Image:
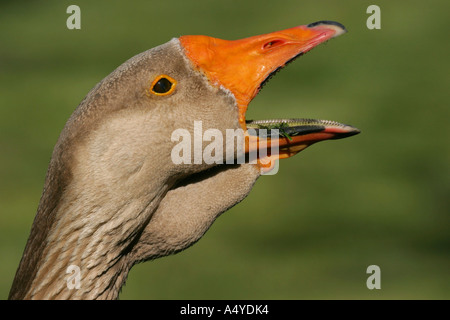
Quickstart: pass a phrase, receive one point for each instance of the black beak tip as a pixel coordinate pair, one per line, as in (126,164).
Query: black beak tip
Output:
(327,22)
(354,131)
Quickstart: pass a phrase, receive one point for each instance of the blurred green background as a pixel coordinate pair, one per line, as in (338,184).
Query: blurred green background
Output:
(308,232)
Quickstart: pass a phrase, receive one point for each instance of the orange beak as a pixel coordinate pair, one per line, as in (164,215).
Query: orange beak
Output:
(243,66)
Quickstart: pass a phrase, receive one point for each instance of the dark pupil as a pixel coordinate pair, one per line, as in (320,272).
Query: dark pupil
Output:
(162,86)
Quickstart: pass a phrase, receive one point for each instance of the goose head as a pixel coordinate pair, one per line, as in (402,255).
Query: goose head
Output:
(114,196)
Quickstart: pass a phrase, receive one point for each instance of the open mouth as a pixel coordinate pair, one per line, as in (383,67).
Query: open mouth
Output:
(293,135)
(244,66)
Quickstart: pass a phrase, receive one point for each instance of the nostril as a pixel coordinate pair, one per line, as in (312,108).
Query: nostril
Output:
(272,43)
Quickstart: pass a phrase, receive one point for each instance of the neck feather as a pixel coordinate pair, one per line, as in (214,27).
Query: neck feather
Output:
(92,232)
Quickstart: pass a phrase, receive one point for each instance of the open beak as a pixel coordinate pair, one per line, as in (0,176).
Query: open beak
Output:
(244,66)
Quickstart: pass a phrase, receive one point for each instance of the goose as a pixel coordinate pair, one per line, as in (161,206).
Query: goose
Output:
(113,196)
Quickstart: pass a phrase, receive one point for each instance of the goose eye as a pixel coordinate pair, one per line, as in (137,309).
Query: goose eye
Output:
(163,85)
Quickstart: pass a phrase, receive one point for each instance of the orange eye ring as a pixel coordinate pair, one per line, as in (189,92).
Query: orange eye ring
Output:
(163,85)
